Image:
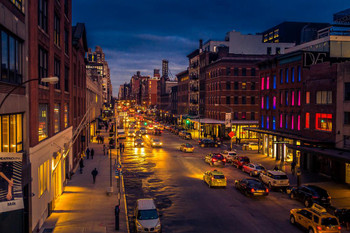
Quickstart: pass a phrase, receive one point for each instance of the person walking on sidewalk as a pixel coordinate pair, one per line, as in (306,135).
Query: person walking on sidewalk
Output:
(87,152)
(292,166)
(94,173)
(120,148)
(123,146)
(104,149)
(81,165)
(92,153)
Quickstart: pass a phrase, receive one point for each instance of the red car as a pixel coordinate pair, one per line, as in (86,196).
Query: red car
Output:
(239,161)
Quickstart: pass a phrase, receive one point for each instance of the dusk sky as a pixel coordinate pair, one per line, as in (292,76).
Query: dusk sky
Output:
(138,34)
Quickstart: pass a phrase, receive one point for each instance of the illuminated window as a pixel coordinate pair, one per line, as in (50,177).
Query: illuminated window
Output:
(281,121)
(307,97)
(287,75)
(299,98)
(286,97)
(43,121)
(281,76)
(293,78)
(262,102)
(262,121)
(262,83)
(292,121)
(66,115)
(11,127)
(274,81)
(267,122)
(286,117)
(293,96)
(299,74)
(244,85)
(267,103)
(323,122)
(298,122)
(274,102)
(273,123)
(56,118)
(267,82)
(324,97)
(56,31)
(43,174)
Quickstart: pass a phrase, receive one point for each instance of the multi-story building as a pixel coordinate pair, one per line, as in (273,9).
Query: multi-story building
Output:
(50,53)
(15,115)
(138,87)
(174,100)
(183,93)
(193,72)
(150,96)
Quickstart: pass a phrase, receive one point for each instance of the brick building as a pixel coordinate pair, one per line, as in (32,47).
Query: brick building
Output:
(183,93)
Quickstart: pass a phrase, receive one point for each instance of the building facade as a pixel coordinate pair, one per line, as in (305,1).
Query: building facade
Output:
(183,93)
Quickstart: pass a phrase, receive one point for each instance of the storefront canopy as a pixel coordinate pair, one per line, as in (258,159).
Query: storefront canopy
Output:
(208,121)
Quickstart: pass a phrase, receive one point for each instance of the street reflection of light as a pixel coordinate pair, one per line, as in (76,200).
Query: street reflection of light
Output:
(198,176)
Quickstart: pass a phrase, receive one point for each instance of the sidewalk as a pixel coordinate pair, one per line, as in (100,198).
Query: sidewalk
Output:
(86,207)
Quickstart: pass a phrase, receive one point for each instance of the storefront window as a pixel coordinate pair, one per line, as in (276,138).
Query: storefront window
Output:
(11,133)
(323,122)
(66,119)
(43,121)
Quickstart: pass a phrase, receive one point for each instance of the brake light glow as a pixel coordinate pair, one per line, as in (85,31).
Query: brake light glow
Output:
(212,178)
(252,190)
(214,160)
(339,228)
(267,190)
(319,228)
(314,197)
(224,160)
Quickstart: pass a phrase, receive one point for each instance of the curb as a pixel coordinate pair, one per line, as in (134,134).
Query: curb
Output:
(125,205)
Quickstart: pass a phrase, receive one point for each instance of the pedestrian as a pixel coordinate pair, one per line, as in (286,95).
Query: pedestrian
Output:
(123,146)
(92,153)
(87,152)
(102,139)
(81,165)
(94,173)
(104,149)
(292,165)
(120,148)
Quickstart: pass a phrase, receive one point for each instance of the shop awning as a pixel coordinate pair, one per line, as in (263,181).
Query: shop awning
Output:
(332,153)
(208,121)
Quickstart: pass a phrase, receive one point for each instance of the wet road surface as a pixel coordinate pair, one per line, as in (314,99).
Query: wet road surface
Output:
(174,180)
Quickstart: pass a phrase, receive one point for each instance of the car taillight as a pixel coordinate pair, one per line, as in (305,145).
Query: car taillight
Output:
(319,228)
(314,197)
(252,190)
(267,190)
(329,197)
(212,178)
(339,228)
(224,160)
(214,160)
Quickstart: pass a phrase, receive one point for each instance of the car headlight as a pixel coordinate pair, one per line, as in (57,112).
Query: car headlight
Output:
(142,143)
(161,143)
(153,143)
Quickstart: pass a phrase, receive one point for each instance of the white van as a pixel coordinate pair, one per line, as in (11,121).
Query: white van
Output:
(121,134)
(146,216)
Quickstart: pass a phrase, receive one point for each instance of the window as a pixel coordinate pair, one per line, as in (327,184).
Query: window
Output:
(287,75)
(66,41)
(267,83)
(244,72)
(253,72)
(324,97)
(57,67)
(274,81)
(56,118)
(293,96)
(299,98)
(262,102)
(228,85)
(43,174)
(66,78)
(323,122)
(11,129)
(273,123)
(307,120)
(268,50)
(281,76)
(347,91)
(286,117)
(236,85)
(56,31)
(307,97)
(252,87)
(252,100)
(292,121)
(43,66)
(244,100)
(227,99)
(42,16)
(267,122)
(235,72)
(286,97)
(274,102)
(262,121)
(66,7)
(66,116)
(11,59)
(244,85)
(281,98)
(252,115)
(299,74)
(278,50)
(281,120)
(244,115)
(43,121)
(267,103)
(235,115)
(227,71)
(235,99)
(292,74)
(299,122)
(262,83)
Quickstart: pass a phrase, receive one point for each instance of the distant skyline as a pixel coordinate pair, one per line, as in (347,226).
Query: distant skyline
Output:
(136,35)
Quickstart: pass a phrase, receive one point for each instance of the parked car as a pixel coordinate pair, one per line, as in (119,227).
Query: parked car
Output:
(310,194)
(239,161)
(207,143)
(253,146)
(138,142)
(182,133)
(215,178)
(315,220)
(275,179)
(138,134)
(252,187)
(155,142)
(186,147)
(229,155)
(146,216)
(131,133)
(253,169)
(215,159)
(143,130)
(187,136)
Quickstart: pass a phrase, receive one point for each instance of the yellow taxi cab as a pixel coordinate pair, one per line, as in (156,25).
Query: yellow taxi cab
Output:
(215,178)
(315,219)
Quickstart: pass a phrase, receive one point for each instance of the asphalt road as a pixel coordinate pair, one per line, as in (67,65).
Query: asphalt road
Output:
(174,179)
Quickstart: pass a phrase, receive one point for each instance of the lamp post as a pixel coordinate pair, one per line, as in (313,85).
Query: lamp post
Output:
(231,111)
(51,80)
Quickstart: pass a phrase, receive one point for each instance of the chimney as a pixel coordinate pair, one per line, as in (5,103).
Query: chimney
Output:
(200,45)
(138,73)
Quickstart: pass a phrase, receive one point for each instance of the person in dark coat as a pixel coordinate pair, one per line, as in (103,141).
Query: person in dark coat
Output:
(81,165)
(87,152)
(94,173)
(292,165)
(104,149)
(123,146)
(92,153)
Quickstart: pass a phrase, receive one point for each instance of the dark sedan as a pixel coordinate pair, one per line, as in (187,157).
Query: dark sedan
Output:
(207,143)
(252,187)
(215,159)
(310,194)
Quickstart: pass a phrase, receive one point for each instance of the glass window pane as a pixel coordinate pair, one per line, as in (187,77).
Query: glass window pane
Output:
(12,58)
(13,132)
(57,118)
(43,120)
(4,56)
(5,133)
(19,133)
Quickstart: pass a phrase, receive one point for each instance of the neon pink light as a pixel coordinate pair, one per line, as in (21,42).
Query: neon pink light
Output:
(298,122)
(274,102)
(299,98)
(281,121)
(292,98)
(267,82)
(262,83)
(292,122)
(262,102)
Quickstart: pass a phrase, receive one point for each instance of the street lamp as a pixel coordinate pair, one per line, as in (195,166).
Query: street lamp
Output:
(217,105)
(52,80)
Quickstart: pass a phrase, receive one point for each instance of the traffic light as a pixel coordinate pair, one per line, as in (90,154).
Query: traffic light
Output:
(187,121)
(145,123)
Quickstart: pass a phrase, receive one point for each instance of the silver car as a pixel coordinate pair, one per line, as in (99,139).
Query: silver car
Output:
(253,169)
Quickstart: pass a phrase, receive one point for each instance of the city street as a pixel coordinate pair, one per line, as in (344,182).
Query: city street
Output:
(174,179)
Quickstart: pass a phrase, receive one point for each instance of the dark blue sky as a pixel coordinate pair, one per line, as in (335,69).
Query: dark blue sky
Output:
(138,34)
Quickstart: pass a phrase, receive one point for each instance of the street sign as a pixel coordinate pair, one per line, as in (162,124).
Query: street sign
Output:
(228,120)
(231,134)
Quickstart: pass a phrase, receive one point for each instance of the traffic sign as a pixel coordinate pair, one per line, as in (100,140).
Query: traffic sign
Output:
(231,134)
